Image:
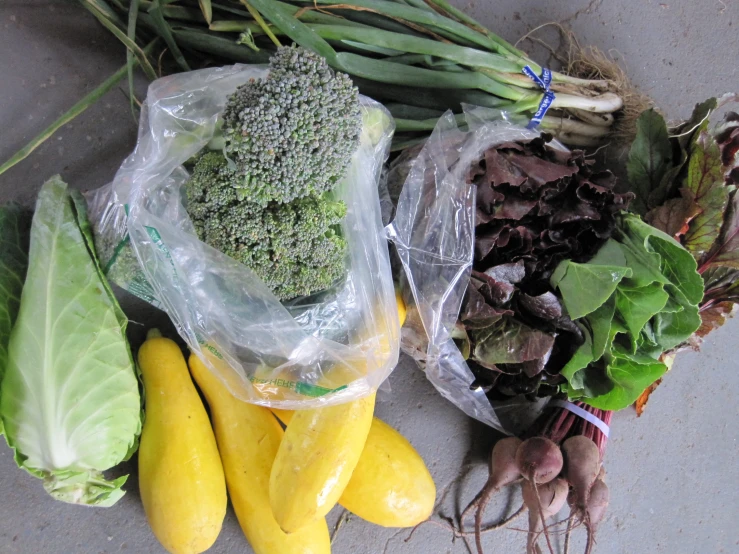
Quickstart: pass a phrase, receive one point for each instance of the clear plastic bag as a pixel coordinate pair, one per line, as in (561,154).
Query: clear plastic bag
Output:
(330,348)
(433,232)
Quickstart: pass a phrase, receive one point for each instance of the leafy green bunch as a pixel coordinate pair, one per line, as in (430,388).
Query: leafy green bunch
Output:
(686,179)
(642,299)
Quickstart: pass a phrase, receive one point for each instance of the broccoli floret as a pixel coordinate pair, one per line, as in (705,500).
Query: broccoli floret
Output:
(292,134)
(265,199)
(294,247)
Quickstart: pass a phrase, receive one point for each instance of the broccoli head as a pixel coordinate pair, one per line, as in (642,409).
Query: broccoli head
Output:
(292,134)
(293,247)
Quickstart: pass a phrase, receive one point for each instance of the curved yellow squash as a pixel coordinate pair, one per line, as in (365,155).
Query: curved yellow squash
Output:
(391,485)
(248,439)
(316,458)
(181,479)
(318,454)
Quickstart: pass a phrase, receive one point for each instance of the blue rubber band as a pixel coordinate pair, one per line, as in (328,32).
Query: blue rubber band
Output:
(547,99)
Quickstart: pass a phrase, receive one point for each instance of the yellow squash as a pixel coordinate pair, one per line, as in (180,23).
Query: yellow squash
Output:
(248,439)
(181,479)
(318,454)
(401,307)
(391,485)
(316,458)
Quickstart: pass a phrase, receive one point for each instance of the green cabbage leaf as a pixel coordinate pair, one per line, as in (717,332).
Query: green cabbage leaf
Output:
(69,398)
(13,261)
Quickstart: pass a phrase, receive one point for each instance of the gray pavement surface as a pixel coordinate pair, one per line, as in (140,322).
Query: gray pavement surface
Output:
(672,473)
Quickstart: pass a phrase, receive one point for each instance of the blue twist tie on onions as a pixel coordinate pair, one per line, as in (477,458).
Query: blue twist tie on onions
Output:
(587,416)
(546,101)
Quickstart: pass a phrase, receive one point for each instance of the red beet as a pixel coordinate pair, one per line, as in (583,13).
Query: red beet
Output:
(503,472)
(539,460)
(543,501)
(596,509)
(582,464)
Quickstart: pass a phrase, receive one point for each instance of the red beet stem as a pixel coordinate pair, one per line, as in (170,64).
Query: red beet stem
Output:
(558,424)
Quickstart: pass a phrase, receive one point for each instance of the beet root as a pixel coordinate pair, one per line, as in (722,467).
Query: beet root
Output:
(503,467)
(543,501)
(539,460)
(503,472)
(581,468)
(596,509)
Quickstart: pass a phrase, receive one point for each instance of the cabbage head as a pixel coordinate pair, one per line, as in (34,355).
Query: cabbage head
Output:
(69,398)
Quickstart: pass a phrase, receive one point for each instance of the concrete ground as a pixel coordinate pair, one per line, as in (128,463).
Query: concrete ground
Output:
(672,479)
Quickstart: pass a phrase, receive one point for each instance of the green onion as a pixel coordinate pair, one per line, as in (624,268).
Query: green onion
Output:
(416,45)
(294,28)
(104,9)
(403,125)
(425,54)
(110,23)
(431,98)
(370,19)
(361,46)
(389,72)
(87,101)
(207,8)
(421,17)
(258,18)
(231,26)
(132,18)
(462,17)
(419,4)
(166,33)
(229,9)
(220,47)
(405,111)
(179,13)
